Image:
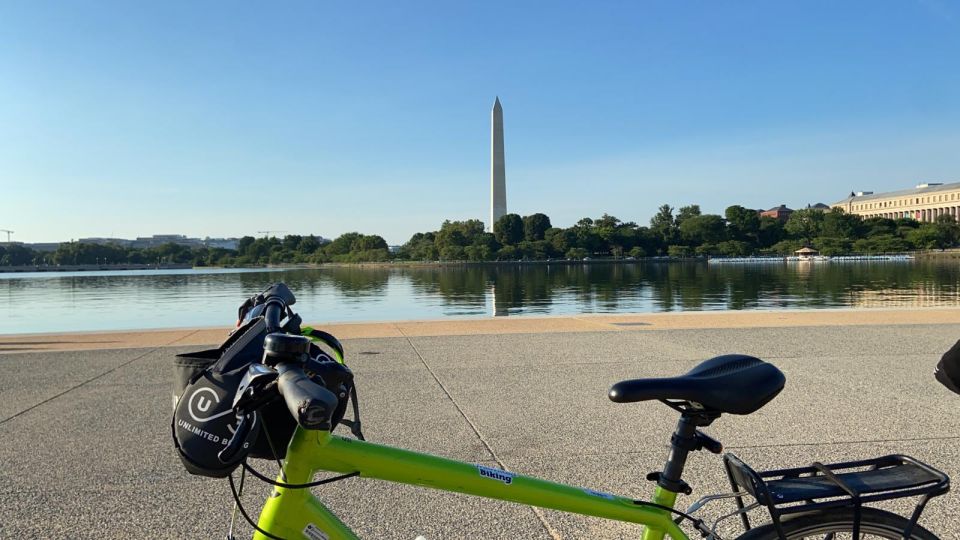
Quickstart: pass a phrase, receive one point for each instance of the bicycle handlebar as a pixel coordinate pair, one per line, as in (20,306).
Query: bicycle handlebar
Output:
(272,314)
(310,404)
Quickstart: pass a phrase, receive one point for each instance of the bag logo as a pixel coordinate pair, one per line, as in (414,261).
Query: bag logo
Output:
(200,403)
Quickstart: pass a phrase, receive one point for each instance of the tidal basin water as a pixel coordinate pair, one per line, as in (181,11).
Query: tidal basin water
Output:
(87,301)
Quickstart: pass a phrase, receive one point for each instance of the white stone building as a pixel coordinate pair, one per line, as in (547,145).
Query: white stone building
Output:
(924,203)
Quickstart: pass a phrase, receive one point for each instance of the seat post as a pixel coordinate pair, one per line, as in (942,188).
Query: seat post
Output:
(682,442)
(686,439)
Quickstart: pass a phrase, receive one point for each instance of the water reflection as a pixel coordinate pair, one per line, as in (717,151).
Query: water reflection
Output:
(162,299)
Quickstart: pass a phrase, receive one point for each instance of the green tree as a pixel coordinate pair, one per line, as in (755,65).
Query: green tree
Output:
(744,223)
(771,231)
(343,244)
(577,253)
(459,233)
(16,255)
(369,242)
(244,244)
(947,231)
(703,229)
(308,244)
(873,226)
(804,224)
(831,246)
(478,252)
(420,247)
(839,224)
(291,242)
(687,212)
(733,248)
(885,243)
(509,229)
(453,253)
(637,252)
(508,253)
(785,247)
(662,224)
(561,240)
(679,251)
(924,237)
(535,226)
(586,236)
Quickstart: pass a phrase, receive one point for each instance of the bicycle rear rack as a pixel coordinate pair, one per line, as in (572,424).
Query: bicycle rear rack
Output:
(854,483)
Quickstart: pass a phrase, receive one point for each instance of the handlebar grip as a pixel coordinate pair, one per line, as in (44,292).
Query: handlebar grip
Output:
(272,315)
(311,404)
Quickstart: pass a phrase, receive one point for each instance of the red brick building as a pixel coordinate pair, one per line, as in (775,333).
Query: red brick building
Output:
(781,212)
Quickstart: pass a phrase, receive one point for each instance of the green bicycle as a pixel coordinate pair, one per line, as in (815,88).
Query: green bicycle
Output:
(822,501)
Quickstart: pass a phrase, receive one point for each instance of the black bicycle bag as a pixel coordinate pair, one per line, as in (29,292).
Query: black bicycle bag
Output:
(204,385)
(203,421)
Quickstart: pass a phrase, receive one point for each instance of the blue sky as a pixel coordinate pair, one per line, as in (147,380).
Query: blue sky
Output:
(226,118)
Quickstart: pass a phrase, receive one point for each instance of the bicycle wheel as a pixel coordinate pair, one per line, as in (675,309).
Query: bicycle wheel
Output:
(837,524)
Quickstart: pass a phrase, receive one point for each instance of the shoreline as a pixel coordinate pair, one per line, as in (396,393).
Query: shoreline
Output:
(953,253)
(632,322)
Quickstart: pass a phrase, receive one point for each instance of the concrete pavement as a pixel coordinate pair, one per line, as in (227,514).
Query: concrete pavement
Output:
(500,325)
(85,447)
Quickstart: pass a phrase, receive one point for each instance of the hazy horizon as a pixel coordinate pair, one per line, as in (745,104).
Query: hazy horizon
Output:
(123,120)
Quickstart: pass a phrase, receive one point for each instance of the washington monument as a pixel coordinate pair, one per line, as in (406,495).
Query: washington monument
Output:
(498,175)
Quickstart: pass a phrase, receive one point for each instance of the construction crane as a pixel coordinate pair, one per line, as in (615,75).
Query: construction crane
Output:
(9,232)
(266,233)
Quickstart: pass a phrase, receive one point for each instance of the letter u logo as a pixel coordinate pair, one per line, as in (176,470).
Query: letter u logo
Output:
(204,404)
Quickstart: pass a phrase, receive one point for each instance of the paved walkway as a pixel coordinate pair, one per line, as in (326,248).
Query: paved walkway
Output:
(85,449)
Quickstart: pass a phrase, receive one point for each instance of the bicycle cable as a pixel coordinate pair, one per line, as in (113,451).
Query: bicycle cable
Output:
(354,428)
(243,512)
(273,451)
(696,522)
(268,480)
(233,515)
(246,467)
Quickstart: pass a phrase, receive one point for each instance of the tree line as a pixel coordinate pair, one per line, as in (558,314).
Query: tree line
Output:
(684,232)
(350,247)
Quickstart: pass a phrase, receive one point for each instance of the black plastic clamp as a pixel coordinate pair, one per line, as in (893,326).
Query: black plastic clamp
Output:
(699,441)
(676,486)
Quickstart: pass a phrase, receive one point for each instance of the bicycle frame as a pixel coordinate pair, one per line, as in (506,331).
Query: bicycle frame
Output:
(296,513)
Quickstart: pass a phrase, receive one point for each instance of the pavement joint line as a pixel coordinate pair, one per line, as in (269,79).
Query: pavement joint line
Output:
(84,383)
(554,534)
(181,338)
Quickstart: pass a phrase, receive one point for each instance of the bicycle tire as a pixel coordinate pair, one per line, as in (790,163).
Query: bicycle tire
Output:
(874,523)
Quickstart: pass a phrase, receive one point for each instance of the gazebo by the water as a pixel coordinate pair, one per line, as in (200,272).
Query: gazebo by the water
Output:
(806,252)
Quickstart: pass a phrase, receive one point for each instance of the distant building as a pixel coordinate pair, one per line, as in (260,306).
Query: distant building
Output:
(158,240)
(122,242)
(925,202)
(819,206)
(221,243)
(781,212)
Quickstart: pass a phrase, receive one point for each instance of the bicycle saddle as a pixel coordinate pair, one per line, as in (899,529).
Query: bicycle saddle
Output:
(733,383)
